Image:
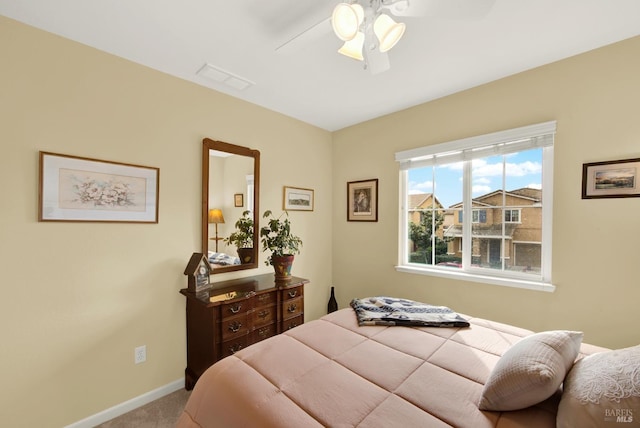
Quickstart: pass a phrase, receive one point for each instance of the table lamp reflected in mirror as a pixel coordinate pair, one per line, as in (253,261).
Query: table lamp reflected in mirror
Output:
(215,217)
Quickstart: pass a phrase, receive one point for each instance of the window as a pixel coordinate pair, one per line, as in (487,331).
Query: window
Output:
(484,207)
(512,215)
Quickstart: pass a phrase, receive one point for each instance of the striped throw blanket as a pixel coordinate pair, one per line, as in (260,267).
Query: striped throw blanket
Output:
(391,311)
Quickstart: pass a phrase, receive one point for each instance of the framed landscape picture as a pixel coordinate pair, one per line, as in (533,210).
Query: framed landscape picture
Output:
(297,199)
(74,188)
(611,179)
(362,200)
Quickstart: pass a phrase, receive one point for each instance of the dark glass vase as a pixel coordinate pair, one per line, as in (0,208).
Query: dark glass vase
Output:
(332,306)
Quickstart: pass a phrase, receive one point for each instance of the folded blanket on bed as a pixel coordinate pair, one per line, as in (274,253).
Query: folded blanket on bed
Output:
(392,311)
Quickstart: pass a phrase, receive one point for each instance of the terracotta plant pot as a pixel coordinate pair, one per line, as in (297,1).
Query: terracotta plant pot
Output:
(282,267)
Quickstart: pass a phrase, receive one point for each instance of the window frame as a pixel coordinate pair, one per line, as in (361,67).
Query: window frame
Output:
(539,135)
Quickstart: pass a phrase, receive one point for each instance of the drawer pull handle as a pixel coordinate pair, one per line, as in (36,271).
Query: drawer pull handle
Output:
(292,308)
(263,332)
(291,326)
(263,314)
(293,293)
(235,348)
(235,308)
(263,297)
(235,326)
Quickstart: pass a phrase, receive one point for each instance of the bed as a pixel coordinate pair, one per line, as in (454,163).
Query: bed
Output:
(222,259)
(334,372)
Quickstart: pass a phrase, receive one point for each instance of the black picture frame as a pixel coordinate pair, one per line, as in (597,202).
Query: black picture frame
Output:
(611,179)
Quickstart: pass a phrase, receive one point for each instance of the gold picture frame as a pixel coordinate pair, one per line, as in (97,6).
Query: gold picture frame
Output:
(79,189)
(297,199)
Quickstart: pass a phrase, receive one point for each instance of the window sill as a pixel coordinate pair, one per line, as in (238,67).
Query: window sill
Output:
(485,279)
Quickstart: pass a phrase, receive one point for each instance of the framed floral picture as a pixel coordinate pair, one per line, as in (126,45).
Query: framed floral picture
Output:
(74,188)
(362,200)
(611,179)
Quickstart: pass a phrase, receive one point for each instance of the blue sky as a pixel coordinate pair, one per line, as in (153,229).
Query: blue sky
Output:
(523,169)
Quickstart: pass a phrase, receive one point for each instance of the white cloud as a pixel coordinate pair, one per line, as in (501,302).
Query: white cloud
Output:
(420,187)
(479,188)
(483,169)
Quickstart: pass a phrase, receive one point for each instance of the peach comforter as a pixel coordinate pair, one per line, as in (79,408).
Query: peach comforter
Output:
(331,372)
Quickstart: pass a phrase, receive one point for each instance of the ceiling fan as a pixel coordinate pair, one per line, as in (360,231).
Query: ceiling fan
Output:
(369,32)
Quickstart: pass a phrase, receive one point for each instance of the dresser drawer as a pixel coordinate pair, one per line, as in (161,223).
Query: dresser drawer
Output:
(264,315)
(264,332)
(291,293)
(234,327)
(235,308)
(265,299)
(292,308)
(292,322)
(230,347)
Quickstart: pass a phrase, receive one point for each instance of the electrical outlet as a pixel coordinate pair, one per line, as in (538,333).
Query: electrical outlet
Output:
(140,354)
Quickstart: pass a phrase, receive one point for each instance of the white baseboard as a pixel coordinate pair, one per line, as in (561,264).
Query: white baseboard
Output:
(127,406)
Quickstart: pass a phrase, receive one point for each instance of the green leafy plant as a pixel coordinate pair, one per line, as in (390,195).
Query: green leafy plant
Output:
(243,236)
(276,237)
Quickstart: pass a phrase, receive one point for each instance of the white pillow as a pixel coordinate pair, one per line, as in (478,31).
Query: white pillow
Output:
(531,370)
(602,390)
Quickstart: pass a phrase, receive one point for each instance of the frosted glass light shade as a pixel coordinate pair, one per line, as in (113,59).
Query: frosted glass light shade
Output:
(353,47)
(346,20)
(387,31)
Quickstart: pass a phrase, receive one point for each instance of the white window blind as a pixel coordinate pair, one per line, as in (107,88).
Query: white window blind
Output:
(497,143)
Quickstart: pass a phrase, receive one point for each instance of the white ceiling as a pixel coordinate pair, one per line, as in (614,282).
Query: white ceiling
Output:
(436,57)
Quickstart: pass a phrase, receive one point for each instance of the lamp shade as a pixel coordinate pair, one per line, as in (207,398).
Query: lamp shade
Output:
(353,47)
(387,31)
(215,216)
(346,20)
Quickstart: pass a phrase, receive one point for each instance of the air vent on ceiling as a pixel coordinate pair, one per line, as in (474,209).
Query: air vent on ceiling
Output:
(219,75)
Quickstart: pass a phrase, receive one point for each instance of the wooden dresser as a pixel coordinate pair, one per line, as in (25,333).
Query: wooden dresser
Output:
(235,314)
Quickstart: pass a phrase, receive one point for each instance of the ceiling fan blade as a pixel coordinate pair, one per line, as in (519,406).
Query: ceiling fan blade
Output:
(447,9)
(309,35)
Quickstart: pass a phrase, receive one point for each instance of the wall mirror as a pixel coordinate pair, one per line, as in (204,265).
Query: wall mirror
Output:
(230,186)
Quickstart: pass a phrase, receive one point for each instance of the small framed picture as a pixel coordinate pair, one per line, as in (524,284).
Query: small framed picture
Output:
(611,179)
(297,199)
(362,200)
(238,200)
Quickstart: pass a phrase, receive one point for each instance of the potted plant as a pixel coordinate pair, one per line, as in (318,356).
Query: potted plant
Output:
(242,238)
(276,237)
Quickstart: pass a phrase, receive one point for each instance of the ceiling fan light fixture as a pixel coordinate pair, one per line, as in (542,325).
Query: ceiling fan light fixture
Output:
(353,47)
(388,31)
(346,20)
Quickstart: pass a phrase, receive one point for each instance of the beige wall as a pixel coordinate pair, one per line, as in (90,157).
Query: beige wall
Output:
(78,297)
(594,98)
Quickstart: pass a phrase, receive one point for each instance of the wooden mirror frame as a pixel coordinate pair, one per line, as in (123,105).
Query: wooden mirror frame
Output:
(221,146)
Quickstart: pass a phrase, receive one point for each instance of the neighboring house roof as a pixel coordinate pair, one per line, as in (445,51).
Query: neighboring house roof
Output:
(483,230)
(524,193)
(416,201)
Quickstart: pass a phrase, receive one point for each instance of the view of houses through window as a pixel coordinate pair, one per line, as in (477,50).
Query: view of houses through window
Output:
(506,213)
(479,213)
